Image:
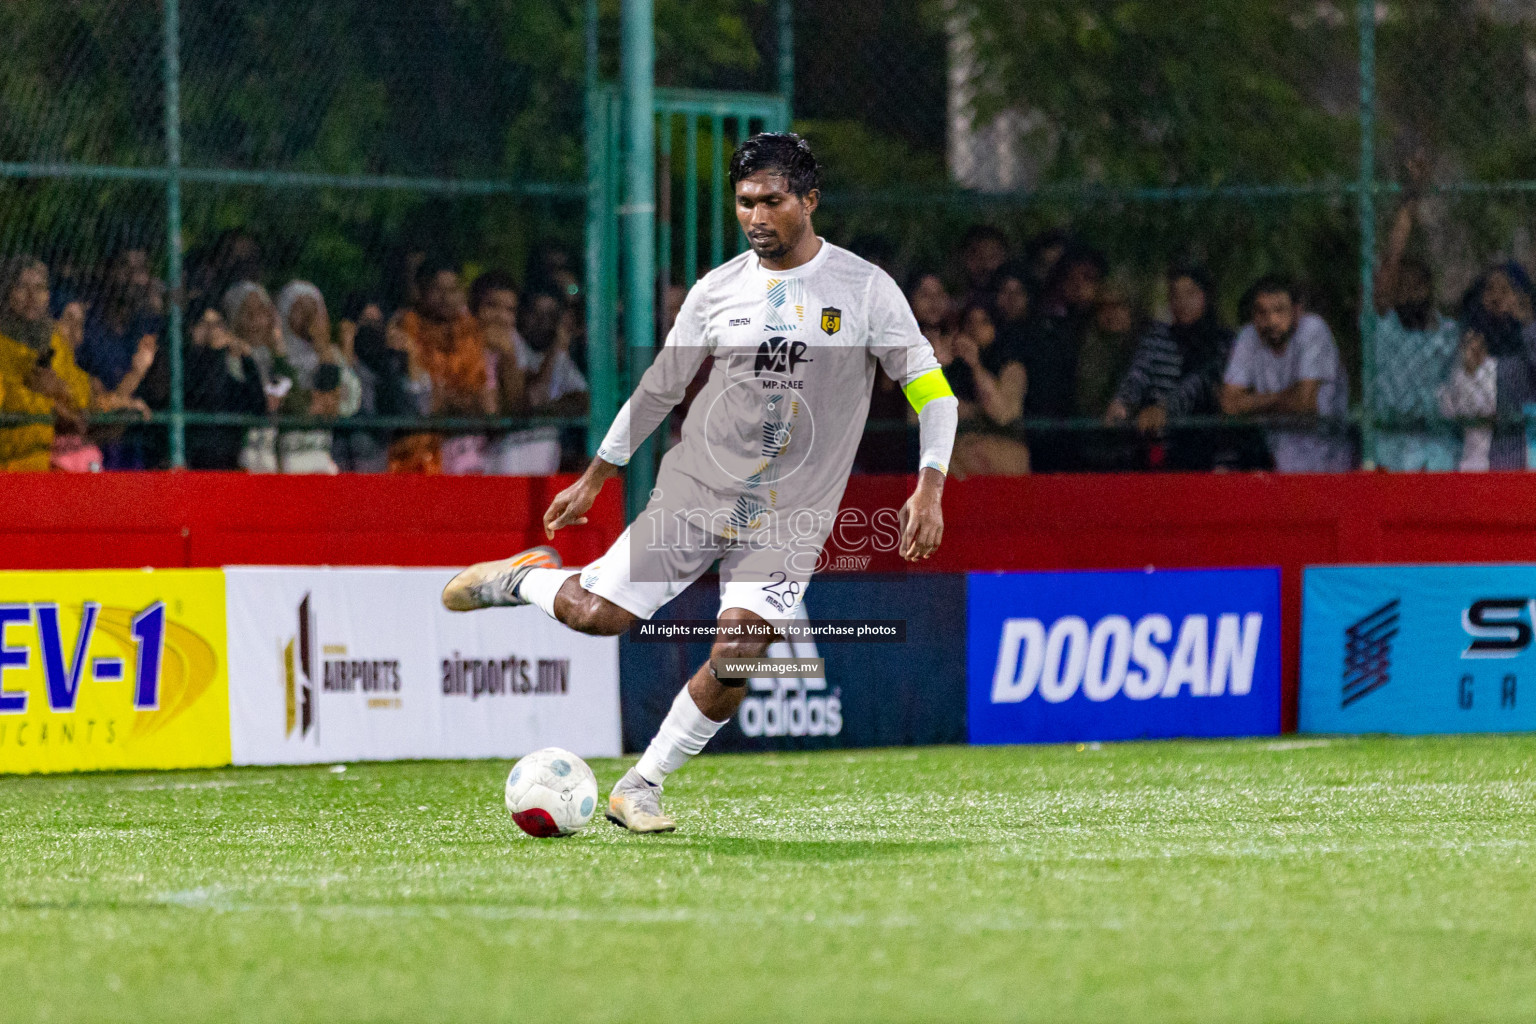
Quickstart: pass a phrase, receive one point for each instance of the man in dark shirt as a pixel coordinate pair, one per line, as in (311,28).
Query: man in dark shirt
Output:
(120,317)
(1053,341)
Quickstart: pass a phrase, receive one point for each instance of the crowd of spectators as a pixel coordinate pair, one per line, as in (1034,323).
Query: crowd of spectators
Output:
(286,373)
(1058,370)
(1056,364)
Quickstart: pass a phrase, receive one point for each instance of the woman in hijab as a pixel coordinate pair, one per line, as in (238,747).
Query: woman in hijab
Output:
(251,316)
(1177,370)
(333,389)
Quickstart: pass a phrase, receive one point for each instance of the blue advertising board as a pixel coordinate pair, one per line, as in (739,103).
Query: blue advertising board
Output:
(873,694)
(1418,649)
(1073,656)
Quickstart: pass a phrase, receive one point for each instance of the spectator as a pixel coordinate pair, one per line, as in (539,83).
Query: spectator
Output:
(236,257)
(493,302)
(931,304)
(447,347)
(1501,299)
(332,389)
(982,251)
(1472,393)
(120,318)
(221,376)
(1053,342)
(1415,348)
(884,449)
(1176,371)
(1107,349)
(360,327)
(551,268)
(38,376)
(493,299)
(988,378)
(556,386)
(1285,363)
(1041,255)
(251,316)
(1010,298)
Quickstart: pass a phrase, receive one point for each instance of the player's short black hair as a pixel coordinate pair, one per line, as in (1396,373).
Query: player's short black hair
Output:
(781,153)
(493,280)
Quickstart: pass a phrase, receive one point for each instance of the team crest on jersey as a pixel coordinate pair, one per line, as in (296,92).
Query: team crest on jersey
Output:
(831,319)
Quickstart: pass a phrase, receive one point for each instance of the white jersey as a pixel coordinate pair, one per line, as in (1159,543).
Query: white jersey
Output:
(773,433)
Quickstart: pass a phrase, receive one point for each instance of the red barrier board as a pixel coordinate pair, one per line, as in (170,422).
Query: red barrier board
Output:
(127,520)
(1051,522)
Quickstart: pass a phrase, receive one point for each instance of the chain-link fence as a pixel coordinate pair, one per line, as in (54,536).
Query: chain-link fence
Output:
(1034,173)
(1242,139)
(155,156)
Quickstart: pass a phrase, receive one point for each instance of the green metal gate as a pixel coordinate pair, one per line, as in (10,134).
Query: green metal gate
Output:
(696,132)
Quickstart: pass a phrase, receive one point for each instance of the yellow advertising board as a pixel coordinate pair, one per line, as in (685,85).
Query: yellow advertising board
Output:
(113,669)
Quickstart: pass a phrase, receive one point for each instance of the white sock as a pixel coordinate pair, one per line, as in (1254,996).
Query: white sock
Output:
(540,586)
(683,733)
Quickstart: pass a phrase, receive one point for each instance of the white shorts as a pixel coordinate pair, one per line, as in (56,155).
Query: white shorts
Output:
(768,581)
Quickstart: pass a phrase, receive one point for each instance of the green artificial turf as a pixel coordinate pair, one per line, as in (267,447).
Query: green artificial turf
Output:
(1288,880)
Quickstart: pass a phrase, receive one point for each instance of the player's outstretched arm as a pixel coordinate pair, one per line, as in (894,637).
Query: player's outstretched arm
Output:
(570,506)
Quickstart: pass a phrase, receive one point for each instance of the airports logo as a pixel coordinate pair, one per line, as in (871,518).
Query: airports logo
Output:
(311,669)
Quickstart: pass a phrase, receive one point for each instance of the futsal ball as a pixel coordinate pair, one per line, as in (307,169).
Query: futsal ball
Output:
(551,792)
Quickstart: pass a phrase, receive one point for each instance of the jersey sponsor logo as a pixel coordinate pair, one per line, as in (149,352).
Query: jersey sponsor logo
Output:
(778,355)
(741,321)
(831,319)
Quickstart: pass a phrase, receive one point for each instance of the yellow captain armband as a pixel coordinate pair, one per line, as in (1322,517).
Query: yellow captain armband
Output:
(926,388)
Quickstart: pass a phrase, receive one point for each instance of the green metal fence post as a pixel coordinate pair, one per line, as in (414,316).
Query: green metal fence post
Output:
(787,54)
(664,207)
(639,218)
(602,360)
(1367,16)
(691,201)
(171,31)
(716,191)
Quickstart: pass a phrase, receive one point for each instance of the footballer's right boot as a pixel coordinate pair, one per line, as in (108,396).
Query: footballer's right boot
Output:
(636,805)
(494,584)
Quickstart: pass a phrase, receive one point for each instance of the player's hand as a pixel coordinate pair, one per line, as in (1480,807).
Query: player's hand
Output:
(570,507)
(922,517)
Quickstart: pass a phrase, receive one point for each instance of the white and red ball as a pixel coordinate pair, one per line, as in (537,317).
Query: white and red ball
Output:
(551,792)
